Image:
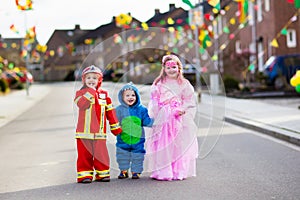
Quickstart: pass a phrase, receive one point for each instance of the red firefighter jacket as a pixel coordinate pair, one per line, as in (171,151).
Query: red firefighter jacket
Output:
(95,107)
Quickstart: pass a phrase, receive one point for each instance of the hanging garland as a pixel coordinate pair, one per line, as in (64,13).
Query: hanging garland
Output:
(123,20)
(27,6)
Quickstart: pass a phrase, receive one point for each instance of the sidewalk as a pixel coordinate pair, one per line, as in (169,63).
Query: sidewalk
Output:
(17,102)
(276,120)
(265,116)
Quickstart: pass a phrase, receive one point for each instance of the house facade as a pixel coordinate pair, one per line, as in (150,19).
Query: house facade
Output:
(60,61)
(238,49)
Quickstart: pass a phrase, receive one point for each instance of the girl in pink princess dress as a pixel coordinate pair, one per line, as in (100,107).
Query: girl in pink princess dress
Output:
(172,145)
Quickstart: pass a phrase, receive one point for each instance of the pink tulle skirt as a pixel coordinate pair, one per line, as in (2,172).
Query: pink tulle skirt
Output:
(172,146)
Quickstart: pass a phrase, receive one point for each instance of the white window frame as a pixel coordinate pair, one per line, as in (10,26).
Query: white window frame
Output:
(220,25)
(267,5)
(238,48)
(291,40)
(259,11)
(251,13)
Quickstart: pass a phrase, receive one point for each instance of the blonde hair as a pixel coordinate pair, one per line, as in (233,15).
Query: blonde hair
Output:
(162,76)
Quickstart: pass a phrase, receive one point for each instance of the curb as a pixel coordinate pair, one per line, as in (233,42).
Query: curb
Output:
(276,132)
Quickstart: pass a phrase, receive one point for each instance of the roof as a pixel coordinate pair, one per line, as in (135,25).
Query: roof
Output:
(104,31)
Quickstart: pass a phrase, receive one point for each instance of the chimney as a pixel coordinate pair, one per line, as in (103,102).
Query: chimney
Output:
(77,27)
(157,12)
(172,7)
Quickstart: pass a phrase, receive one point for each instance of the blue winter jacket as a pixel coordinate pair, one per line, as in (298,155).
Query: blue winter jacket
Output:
(132,119)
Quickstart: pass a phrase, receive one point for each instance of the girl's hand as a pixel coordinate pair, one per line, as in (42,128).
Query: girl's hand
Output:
(180,113)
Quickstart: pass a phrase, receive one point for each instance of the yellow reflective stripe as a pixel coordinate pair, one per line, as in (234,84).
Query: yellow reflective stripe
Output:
(103,173)
(109,107)
(102,119)
(88,95)
(77,99)
(91,136)
(84,174)
(102,101)
(114,126)
(100,136)
(87,120)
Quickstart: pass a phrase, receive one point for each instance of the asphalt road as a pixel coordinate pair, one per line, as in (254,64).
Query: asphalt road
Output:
(38,160)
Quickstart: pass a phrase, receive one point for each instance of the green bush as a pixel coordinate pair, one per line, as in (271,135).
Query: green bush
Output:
(230,83)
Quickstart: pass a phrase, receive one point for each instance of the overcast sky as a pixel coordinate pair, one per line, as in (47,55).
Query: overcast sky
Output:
(48,15)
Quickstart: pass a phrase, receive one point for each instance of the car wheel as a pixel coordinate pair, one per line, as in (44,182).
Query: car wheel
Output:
(280,83)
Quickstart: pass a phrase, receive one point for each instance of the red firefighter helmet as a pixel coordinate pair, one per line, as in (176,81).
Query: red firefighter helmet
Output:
(92,69)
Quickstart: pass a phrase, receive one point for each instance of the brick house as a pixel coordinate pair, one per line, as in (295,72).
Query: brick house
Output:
(105,48)
(234,54)
(62,63)
(10,49)
(252,43)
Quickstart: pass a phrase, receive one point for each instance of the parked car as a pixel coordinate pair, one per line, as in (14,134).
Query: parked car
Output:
(278,70)
(189,72)
(189,69)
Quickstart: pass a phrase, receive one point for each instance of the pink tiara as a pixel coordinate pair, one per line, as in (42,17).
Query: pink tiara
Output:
(171,63)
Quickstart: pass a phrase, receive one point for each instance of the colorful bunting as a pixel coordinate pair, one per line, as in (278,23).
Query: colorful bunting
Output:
(117,39)
(188,3)
(214,57)
(123,20)
(232,21)
(215,4)
(41,48)
(30,33)
(231,36)
(171,21)
(251,67)
(283,31)
(14,29)
(27,6)
(89,41)
(243,10)
(226,29)
(204,39)
(297,3)
(294,18)
(145,26)
(274,43)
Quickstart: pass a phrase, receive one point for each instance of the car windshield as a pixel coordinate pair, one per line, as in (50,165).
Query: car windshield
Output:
(269,62)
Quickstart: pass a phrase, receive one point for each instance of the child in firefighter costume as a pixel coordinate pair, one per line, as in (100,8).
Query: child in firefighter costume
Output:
(133,116)
(95,107)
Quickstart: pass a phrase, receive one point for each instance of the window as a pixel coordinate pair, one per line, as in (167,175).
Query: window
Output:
(220,25)
(291,38)
(238,49)
(267,5)
(259,10)
(251,13)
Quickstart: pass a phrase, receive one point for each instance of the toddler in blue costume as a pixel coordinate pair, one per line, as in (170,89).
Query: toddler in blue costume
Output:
(133,116)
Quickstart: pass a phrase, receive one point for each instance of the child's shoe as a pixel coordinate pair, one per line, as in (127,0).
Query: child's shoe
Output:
(123,174)
(135,175)
(86,180)
(104,179)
